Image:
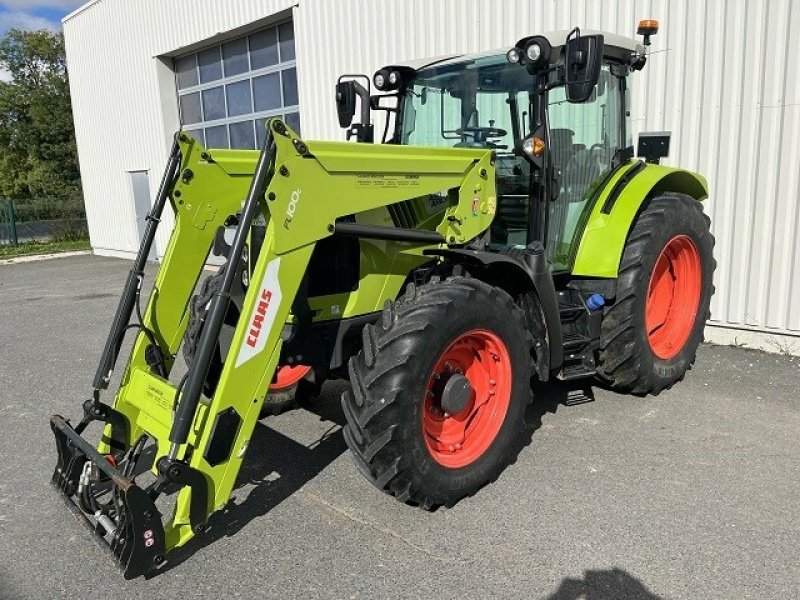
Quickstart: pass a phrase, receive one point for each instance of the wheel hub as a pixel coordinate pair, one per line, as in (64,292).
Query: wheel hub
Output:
(456,394)
(466,398)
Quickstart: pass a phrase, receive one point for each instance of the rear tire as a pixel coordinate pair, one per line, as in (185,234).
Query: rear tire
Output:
(402,438)
(650,334)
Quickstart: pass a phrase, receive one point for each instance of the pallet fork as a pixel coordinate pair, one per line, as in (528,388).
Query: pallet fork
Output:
(303,191)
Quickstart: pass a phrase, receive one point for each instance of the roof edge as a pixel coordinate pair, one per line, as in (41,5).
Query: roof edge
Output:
(79,10)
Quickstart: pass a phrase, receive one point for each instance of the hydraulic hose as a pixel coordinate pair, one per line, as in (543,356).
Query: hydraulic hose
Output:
(127,301)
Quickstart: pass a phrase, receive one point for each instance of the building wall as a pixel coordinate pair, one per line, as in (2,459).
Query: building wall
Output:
(722,77)
(124,97)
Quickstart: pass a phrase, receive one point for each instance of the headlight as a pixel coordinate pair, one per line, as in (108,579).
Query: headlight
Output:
(513,55)
(533,52)
(379,80)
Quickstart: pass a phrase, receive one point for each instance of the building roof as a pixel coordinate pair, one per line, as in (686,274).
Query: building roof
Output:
(79,10)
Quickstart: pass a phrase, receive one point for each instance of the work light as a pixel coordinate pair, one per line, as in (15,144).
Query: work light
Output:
(513,55)
(533,52)
(394,78)
(379,80)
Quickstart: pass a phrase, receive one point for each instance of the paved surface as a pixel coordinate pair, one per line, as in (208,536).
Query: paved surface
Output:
(693,494)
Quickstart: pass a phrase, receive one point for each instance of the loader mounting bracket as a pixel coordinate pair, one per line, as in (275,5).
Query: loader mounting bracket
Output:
(181,474)
(94,410)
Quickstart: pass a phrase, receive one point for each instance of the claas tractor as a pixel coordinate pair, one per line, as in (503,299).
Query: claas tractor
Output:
(504,234)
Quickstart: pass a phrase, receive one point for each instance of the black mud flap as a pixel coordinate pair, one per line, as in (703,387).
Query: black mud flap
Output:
(135,535)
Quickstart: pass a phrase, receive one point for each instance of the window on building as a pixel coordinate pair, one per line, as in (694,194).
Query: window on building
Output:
(227,92)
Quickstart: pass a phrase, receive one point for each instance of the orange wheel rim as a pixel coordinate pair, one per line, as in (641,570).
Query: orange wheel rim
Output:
(673,297)
(457,440)
(288,375)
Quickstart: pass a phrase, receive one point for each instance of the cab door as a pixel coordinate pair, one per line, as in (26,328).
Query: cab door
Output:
(584,139)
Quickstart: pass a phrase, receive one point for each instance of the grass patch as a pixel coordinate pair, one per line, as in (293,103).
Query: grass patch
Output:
(51,247)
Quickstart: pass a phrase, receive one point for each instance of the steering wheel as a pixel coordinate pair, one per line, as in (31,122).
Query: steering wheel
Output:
(482,134)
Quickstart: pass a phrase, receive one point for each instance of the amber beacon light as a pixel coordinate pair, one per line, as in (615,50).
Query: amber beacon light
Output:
(646,28)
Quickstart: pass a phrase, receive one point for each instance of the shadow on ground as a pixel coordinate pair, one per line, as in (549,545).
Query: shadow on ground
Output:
(606,584)
(548,397)
(278,466)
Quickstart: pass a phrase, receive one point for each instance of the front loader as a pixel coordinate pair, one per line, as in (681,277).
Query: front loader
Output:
(480,249)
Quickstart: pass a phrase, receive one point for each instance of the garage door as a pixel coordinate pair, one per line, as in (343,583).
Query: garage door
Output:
(227,91)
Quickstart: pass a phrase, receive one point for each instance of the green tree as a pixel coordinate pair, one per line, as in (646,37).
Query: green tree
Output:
(38,157)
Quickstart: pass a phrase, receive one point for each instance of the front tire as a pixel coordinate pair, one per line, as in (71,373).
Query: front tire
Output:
(458,346)
(293,385)
(649,336)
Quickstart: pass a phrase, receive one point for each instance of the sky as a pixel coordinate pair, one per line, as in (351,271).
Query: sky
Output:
(33,14)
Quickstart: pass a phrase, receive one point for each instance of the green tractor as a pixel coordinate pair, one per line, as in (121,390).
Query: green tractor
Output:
(504,233)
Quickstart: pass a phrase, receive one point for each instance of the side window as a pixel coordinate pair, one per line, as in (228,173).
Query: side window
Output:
(583,140)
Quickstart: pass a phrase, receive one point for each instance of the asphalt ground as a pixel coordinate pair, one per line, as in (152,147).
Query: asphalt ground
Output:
(691,494)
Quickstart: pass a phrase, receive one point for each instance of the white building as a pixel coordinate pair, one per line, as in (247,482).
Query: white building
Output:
(723,77)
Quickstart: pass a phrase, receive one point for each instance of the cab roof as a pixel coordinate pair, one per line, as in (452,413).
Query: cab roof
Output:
(555,38)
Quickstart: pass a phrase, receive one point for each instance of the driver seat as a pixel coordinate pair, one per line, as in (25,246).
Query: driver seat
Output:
(562,146)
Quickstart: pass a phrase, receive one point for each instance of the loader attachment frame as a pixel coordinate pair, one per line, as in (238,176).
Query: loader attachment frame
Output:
(303,191)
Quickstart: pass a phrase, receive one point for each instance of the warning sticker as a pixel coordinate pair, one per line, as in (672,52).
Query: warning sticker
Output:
(376,180)
(156,396)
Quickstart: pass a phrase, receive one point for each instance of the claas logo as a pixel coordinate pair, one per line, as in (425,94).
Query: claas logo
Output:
(258,318)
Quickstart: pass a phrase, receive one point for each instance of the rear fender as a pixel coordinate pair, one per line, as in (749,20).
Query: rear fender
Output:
(600,248)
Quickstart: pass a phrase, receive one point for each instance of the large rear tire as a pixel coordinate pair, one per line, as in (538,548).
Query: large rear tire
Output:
(650,334)
(439,392)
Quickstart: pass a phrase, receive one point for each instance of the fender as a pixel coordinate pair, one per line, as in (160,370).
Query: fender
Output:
(515,277)
(615,209)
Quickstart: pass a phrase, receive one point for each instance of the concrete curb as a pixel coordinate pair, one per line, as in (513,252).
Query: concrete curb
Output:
(38,257)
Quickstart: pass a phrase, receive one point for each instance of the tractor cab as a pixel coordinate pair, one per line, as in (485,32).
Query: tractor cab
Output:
(555,110)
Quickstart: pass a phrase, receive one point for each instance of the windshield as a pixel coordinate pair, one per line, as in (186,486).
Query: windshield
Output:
(485,102)
(481,102)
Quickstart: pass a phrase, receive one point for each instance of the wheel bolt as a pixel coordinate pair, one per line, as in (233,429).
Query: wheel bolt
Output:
(492,382)
(451,448)
(447,366)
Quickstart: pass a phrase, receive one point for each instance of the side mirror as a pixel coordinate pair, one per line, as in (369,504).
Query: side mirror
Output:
(347,90)
(583,56)
(346,102)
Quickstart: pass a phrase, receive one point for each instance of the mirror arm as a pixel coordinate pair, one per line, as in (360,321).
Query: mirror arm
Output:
(363,95)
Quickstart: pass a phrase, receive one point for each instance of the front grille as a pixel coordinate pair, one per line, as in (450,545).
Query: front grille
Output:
(403,215)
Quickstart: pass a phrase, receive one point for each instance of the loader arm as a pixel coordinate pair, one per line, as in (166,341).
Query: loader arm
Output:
(303,190)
